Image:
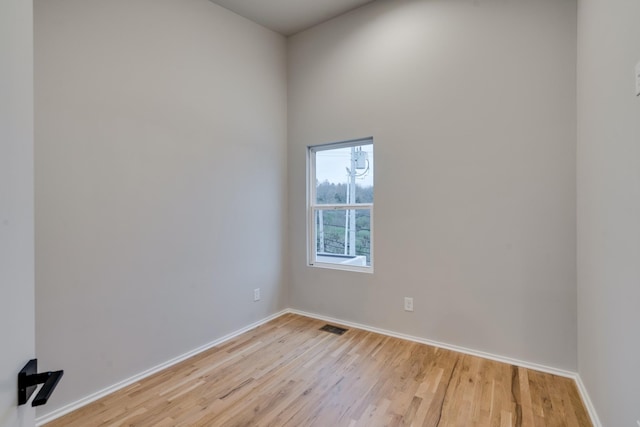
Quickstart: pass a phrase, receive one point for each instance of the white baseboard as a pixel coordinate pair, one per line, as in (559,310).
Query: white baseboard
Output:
(57,413)
(534,366)
(587,402)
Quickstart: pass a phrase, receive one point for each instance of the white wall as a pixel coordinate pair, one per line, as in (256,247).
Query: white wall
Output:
(472,108)
(17,328)
(160,183)
(609,208)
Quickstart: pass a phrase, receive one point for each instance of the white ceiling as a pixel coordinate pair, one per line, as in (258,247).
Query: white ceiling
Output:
(288,17)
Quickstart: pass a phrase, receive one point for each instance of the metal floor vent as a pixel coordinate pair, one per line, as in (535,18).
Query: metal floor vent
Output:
(333,329)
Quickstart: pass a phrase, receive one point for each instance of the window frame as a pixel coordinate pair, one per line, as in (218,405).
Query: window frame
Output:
(313,207)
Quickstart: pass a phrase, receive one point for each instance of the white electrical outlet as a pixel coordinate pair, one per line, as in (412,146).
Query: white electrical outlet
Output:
(256,294)
(408,304)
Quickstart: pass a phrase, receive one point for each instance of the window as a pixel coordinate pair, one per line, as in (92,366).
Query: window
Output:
(340,210)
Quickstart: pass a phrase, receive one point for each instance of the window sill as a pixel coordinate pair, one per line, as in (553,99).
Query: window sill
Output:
(343,267)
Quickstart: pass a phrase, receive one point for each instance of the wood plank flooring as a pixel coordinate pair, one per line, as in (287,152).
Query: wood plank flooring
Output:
(289,373)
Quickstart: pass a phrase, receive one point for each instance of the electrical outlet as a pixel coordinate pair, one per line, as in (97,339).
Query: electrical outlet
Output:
(408,304)
(256,294)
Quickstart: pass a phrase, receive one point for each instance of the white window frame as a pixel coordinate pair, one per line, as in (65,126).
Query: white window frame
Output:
(313,207)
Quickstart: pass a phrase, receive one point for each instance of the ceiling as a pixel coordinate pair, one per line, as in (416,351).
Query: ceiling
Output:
(288,17)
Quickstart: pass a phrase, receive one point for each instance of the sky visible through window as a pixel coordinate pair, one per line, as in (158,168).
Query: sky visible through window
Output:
(331,166)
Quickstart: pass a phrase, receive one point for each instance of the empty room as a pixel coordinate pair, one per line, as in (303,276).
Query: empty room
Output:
(319,213)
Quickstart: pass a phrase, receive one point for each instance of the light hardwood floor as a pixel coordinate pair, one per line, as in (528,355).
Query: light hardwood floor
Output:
(289,373)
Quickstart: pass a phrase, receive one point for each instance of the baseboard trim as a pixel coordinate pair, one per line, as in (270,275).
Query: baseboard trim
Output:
(57,413)
(587,402)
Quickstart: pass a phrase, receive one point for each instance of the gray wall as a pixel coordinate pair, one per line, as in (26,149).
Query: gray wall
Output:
(161,175)
(472,108)
(160,183)
(609,208)
(17,328)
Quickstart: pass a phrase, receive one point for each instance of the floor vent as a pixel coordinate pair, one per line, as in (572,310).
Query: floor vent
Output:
(333,329)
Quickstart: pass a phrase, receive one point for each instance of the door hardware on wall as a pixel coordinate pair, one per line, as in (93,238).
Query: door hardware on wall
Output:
(28,380)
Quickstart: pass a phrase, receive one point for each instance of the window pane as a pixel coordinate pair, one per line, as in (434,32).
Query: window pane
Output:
(344,175)
(343,236)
